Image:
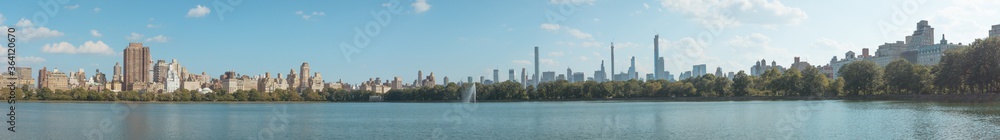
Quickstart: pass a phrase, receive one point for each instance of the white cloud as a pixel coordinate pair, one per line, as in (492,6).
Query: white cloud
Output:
(158,38)
(2,19)
(590,44)
(95,33)
(521,62)
(97,9)
(572,31)
(421,6)
(582,58)
(88,47)
(308,16)
(571,44)
(133,37)
(683,53)
(752,40)
(548,62)
(831,45)
(28,31)
(961,22)
(736,12)
(645,5)
(151,26)
(557,54)
(72,7)
(198,11)
(62,47)
(579,34)
(30,60)
(754,47)
(591,2)
(550,27)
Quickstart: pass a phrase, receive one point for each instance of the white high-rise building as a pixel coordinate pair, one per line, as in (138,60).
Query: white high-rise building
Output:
(172,80)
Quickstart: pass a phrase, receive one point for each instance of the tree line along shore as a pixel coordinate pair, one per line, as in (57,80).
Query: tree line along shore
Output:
(966,74)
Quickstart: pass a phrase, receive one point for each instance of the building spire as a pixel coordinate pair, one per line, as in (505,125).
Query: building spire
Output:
(943,41)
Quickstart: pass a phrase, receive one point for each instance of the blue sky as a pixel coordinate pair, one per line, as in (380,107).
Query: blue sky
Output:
(470,38)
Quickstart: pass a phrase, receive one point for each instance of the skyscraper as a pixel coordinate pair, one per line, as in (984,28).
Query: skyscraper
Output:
(160,69)
(524,77)
(923,36)
(718,72)
(117,77)
(304,82)
(548,76)
(612,60)
(631,70)
(496,75)
(661,74)
(569,75)
(995,31)
(698,70)
(43,75)
(535,76)
(600,75)
(137,65)
(511,76)
(657,61)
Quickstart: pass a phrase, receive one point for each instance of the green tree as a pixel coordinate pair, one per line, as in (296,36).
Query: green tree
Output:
(814,82)
(902,77)
(742,84)
(983,64)
(837,87)
(791,83)
(861,77)
(310,95)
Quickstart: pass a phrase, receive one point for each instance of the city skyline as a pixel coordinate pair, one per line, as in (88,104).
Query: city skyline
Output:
(579,42)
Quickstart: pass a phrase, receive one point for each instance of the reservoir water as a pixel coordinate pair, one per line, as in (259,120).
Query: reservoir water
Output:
(509,120)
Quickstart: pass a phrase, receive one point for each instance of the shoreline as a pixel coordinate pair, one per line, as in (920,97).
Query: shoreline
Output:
(966,98)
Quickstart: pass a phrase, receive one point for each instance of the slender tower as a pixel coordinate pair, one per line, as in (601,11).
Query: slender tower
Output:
(524,77)
(612,61)
(657,66)
(631,70)
(496,75)
(535,84)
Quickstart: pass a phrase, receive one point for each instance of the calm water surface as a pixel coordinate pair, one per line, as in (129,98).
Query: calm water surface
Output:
(516,120)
